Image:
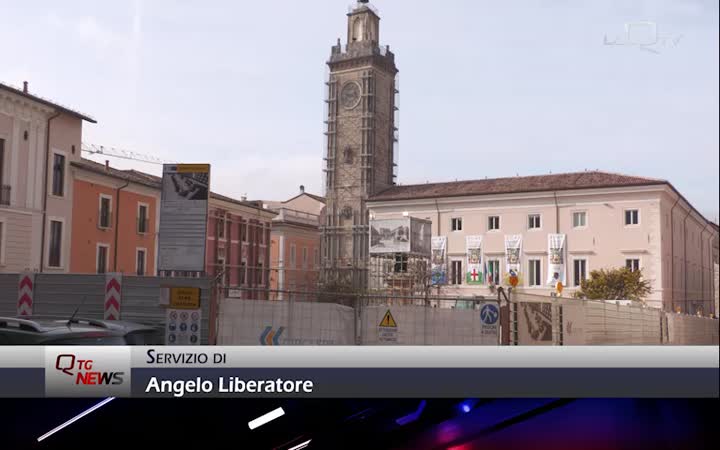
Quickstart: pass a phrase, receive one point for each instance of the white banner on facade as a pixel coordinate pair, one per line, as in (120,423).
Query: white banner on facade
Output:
(183,217)
(556,259)
(439,260)
(390,236)
(473,248)
(513,261)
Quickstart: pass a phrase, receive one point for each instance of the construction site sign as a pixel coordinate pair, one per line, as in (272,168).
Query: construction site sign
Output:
(185,298)
(183,217)
(388,329)
(182,326)
(388,320)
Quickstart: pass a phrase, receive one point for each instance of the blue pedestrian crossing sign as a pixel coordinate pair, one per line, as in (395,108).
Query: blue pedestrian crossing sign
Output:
(489,314)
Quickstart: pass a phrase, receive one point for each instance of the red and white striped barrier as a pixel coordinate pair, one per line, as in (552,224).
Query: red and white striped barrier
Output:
(26,287)
(113,296)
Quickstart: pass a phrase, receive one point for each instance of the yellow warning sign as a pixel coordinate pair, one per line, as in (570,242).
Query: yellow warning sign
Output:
(184,298)
(388,320)
(190,168)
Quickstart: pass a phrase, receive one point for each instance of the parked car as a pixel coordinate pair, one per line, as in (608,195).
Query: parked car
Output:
(44,330)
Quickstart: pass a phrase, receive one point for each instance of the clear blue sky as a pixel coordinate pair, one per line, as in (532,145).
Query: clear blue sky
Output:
(487,88)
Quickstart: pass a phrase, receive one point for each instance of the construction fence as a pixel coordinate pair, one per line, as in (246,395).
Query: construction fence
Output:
(345,318)
(138,298)
(538,320)
(393,319)
(348,319)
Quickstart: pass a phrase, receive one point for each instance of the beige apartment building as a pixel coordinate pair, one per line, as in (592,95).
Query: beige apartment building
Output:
(295,243)
(38,141)
(609,220)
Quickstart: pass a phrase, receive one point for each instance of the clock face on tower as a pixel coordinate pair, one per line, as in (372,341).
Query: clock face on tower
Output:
(350,95)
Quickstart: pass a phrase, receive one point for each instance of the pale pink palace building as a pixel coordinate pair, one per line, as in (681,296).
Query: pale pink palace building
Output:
(610,220)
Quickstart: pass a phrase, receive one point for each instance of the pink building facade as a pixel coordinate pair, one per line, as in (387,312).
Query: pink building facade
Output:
(609,221)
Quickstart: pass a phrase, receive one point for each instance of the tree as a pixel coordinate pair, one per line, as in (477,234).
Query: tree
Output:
(615,284)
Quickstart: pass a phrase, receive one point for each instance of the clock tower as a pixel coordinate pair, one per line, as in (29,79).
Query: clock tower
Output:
(361,143)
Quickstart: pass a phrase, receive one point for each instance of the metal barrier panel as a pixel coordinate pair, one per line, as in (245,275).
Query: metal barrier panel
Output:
(347,319)
(61,294)
(8,294)
(264,322)
(691,330)
(420,325)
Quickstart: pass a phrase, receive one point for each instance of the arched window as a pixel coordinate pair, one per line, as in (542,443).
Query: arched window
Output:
(348,155)
(358,29)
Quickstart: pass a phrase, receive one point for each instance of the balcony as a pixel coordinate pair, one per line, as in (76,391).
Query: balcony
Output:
(5,195)
(291,215)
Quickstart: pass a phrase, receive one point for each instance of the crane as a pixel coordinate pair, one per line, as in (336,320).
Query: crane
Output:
(95,149)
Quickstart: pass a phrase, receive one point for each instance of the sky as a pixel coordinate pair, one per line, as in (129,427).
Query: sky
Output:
(487,89)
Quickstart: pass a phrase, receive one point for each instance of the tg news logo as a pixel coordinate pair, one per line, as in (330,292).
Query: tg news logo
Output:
(82,371)
(87,371)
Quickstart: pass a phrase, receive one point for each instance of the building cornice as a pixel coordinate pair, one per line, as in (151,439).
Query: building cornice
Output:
(23,108)
(113,182)
(519,196)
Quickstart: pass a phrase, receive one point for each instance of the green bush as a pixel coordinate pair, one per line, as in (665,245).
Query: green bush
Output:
(615,284)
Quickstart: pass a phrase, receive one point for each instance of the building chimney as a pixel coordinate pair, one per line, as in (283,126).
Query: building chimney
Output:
(302,189)
(25,87)
(107,165)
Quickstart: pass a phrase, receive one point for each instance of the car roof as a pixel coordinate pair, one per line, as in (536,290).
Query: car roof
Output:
(50,325)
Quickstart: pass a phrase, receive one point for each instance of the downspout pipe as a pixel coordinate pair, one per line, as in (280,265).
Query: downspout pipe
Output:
(439,228)
(685,283)
(117,221)
(702,267)
(45,192)
(557,214)
(672,256)
(439,225)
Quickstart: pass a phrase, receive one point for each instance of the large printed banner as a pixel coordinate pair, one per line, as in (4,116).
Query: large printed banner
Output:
(390,236)
(473,246)
(513,252)
(556,259)
(183,217)
(406,235)
(439,260)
